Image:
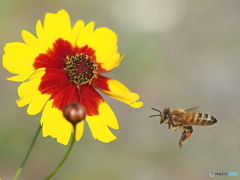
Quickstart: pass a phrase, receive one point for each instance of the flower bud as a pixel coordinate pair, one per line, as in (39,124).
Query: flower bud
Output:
(74,112)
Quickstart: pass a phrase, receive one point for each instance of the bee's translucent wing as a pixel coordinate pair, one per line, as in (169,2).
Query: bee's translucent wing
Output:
(191,109)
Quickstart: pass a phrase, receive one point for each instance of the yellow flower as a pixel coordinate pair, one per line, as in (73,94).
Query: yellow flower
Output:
(62,65)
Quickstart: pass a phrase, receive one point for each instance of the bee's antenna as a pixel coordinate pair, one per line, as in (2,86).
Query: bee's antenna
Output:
(156,114)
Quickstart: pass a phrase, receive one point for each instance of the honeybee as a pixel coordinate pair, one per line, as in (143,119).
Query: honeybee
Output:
(184,120)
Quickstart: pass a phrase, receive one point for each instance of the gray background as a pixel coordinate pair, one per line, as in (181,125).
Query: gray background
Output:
(179,54)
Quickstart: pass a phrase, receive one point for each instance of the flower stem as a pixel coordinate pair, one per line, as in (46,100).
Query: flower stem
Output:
(28,153)
(65,157)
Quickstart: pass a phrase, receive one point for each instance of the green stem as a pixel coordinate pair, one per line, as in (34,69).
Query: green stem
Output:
(64,158)
(28,153)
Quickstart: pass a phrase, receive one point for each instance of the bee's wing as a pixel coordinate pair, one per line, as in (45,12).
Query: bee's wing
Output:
(191,109)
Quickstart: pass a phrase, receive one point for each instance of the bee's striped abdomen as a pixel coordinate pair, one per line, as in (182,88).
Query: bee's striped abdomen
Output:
(202,119)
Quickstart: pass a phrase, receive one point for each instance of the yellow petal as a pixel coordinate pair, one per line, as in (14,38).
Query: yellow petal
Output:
(126,97)
(31,83)
(104,43)
(136,104)
(117,86)
(44,38)
(58,26)
(55,125)
(86,35)
(57,23)
(33,42)
(118,91)
(28,90)
(99,130)
(55,26)
(39,30)
(28,98)
(99,124)
(19,59)
(38,104)
(79,130)
(76,30)
(19,78)
(113,61)
(107,114)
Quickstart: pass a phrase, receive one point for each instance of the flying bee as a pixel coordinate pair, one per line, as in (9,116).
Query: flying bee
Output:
(184,120)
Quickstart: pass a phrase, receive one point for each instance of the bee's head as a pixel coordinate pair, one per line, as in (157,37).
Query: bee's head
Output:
(165,116)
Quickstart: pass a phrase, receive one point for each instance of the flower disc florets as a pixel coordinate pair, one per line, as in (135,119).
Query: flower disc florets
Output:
(81,69)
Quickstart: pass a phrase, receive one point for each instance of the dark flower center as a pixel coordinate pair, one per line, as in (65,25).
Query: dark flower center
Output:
(81,69)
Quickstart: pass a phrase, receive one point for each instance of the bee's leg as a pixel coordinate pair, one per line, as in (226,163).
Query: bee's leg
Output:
(186,134)
(171,125)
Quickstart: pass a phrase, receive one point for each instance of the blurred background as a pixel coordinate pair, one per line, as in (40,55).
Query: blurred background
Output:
(179,54)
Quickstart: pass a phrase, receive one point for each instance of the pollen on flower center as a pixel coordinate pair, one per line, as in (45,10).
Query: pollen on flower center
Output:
(81,69)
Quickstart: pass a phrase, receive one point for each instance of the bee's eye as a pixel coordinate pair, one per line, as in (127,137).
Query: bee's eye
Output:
(166,116)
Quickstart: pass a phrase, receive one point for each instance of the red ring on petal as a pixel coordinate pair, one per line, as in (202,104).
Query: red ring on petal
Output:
(56,57)
(101,82)
(56,82)
(91,99)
